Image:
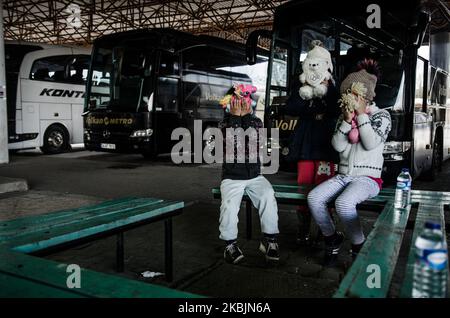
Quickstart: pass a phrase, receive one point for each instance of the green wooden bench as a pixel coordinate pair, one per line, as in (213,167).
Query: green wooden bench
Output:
(297,195)
(26,275)
(383,244)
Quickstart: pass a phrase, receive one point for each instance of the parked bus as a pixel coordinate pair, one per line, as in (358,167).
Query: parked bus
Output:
(45,90)
(414,88)
(143,84)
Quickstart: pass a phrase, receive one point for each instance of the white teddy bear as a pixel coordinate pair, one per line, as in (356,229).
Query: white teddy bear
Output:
(317,67)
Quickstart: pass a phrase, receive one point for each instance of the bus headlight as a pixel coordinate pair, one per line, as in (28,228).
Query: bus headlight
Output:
(87,135)
(142,133)
(394,147)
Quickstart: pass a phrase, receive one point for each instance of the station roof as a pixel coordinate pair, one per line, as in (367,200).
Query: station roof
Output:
(82,21)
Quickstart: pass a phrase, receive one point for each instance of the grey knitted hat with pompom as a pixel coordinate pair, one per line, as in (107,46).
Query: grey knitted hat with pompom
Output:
(362,76)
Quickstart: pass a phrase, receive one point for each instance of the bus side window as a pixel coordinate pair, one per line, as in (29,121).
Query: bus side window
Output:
(167,97)
(194,58)
(169,64)
(420,80)
(78,69)
(195,78)
(439,87)
(49,69)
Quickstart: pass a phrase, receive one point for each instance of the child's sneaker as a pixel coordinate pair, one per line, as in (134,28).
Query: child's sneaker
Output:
(355,251)
(332,249)
(233,253)
(269,247)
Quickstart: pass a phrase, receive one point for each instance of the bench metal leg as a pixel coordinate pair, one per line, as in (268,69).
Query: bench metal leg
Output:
(248,210)
(120,261)
(168,250)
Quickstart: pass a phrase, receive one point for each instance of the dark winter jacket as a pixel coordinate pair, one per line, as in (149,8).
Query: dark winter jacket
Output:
(251,168)
(311,139)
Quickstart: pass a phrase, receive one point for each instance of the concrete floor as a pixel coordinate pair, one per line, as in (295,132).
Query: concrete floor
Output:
(80,177)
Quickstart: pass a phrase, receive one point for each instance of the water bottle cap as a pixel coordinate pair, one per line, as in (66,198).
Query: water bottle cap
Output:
(405,170)
(432,226)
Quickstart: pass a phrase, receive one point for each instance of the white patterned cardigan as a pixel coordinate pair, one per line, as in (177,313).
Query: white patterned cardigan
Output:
(364,158)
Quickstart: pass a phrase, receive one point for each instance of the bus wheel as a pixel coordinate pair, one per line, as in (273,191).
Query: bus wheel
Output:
(149,155)
(436,164)
(56,140)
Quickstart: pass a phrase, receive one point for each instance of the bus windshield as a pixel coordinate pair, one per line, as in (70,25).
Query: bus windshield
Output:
(348,47)
(120,77)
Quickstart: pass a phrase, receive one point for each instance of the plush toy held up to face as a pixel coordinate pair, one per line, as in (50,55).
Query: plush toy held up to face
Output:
(239,91)
(317,68)
(349,103)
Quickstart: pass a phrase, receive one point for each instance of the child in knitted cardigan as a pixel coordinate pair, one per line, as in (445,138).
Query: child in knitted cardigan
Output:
(359,139)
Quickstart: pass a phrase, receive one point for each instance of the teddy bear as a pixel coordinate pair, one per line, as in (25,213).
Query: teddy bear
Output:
(317,68)
(324,168)
(244,91)
(348,103)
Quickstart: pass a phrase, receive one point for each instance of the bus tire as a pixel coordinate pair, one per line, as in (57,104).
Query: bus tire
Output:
(56,140)
(149,155)
(436,163)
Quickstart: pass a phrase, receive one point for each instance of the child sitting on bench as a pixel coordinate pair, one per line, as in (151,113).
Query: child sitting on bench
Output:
(359,139)
(239,178)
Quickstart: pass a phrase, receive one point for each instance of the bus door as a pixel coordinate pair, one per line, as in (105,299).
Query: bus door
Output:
(14,55)
(167,110)
(423,121)
(277,95)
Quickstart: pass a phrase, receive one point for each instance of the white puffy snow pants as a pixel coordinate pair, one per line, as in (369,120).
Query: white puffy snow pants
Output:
(262,195)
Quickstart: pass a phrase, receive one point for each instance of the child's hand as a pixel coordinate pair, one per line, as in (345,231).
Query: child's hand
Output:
(348,116)
(246,108)
(235,107)
(360,106)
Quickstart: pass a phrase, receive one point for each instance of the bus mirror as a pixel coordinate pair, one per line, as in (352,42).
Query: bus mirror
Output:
(251,46)
(147,72)
(92,104)
(420,28)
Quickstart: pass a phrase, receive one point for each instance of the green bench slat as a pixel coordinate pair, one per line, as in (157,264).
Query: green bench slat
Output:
(43,239)
(381,248)
(300,193)
(426,212)
(295,192)
(438,197)
(14,287)
(76,217)
(61,216)
(47,275)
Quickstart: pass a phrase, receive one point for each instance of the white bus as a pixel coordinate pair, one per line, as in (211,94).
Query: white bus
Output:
(45,95)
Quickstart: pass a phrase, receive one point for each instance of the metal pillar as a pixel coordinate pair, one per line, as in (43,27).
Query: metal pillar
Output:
(120,255)
(168,249)
(4,158)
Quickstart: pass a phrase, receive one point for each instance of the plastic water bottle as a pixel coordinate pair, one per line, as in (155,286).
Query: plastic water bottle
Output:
(403,190)
(430,274)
